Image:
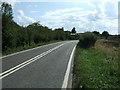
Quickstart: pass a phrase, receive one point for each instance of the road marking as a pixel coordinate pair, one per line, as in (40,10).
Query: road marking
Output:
(27,50)
(16,68)
(66,77)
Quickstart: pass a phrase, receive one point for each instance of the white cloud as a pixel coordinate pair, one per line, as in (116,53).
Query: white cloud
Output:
(35,11)
(61,11)
(69,20)
(24,20)
(109,10)
(20,12)
(102,17)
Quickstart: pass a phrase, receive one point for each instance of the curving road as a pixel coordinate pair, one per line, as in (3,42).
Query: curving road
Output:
(42,67)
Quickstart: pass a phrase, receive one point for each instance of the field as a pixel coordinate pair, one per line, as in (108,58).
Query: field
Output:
(97,67)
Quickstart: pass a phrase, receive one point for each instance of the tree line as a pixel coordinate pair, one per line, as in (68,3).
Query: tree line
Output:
(14,35)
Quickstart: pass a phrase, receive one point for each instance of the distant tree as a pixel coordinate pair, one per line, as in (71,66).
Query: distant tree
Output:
(59,34)
(73,30)
(96,32)
(105,34)
(36,24)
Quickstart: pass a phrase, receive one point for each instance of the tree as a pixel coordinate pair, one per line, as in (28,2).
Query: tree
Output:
(14,35)
(73,30)
(96,32)
(6,14)
(7,17)
(59,34)
(105,34)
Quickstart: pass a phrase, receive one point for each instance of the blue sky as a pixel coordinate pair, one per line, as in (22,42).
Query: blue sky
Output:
(87,15)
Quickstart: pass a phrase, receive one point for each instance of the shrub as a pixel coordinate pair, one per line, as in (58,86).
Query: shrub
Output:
(87,40)
(105,34)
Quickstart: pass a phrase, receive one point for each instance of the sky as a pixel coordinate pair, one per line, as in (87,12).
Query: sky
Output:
(84,15)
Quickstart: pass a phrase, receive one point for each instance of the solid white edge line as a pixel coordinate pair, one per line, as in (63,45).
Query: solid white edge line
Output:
(12,70)
(28,50)
(66,77)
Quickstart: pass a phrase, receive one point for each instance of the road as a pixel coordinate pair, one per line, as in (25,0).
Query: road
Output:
(41,67)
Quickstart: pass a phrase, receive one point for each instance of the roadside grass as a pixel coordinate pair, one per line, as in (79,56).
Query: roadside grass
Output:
(18,49)
(96,67)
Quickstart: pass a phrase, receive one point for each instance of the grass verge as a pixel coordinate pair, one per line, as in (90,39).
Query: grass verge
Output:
(18,49)
(94,68)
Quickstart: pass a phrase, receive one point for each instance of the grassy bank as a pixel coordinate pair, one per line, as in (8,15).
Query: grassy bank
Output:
(13,50)
(96,68)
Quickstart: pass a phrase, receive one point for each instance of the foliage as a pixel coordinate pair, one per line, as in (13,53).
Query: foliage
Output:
(15,36)
(87,40)
(73,30)
(6,10)
(96,33)
(105,34)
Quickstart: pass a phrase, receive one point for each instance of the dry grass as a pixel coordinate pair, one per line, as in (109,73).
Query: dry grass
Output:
(108,46)
(112,48)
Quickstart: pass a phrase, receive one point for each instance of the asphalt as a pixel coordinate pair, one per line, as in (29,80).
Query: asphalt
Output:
(46,72)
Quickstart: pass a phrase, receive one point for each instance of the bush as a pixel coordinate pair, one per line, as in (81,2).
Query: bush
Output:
(87,40)
(105,34)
